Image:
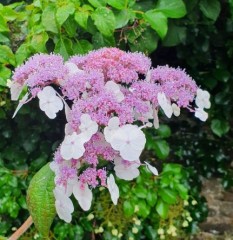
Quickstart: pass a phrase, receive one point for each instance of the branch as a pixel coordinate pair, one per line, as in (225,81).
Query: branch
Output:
(20,231)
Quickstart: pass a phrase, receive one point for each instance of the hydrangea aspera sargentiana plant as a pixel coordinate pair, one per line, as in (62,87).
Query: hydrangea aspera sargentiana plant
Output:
(108,96)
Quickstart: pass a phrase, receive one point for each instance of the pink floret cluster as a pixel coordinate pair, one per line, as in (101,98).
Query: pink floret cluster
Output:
(109,96)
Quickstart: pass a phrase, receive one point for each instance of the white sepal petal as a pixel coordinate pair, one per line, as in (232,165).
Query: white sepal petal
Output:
(176,110)
(152,169)
(83,195)
(113,189)
(15,89)
(21,103)
(165,104)
(201,114)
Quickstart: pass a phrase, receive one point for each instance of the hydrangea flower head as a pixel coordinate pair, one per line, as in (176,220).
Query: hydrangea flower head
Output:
(109,96)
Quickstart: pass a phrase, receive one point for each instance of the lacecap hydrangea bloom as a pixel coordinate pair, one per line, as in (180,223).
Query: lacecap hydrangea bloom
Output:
(108,97)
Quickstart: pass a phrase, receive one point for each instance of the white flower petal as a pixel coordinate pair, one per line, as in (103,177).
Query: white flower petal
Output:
(109,131)
(202,99)
(83,195)
(201,114)
(72,68)
(113,189)
(21,103)
(156,119)
(152,169)
(165,104)
(114,88)
(15,89)
(176,110)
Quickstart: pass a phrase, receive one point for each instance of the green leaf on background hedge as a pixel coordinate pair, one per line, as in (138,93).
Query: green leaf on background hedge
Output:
(151,198)
(144,208)
(64,47)
(118,4)
(175,35)
(38,42)
(158,21)
(64,12)
(22,53)
(82,47)
(6,55)
(48,19)
(162,208)
(171,9)
(97,3)
(210,8)
(81,18)
(9,14)
(168,195)
(161,148)
(164,131)
(122,17)
(104,20)
(3,25)
(128,208)
(40,200)
(147,41)
(4,39)
(5,74)
(99,41)
(219,127)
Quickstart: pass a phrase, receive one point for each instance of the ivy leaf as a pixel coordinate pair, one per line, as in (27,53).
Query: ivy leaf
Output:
(64,12)
(219,127)
(158,21)
(40,200)
(48,19)
(210,8)
(161,149)
(162,208)
(118,4)
(171,9)
(104,20)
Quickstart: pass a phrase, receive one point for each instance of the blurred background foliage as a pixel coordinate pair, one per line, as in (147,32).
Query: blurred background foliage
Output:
(196,35)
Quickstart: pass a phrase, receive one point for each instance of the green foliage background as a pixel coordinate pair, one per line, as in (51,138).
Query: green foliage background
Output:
(196,35)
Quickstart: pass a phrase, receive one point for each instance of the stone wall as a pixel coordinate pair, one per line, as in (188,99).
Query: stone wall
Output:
(219,224)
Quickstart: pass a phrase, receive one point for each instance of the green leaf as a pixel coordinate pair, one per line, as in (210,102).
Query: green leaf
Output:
(122,18)
(81,18)
(6,55)
(97,3)
(161,149)
(64,47)
(104,20)
(172,167)
(168,195)
(183,191)
(158,21)
(151,198)
(147,41)
(144,208)
(128,208)
(210,8)
(48,19)
(140,191)
(64,12)
(175,35)
(171,8)
(219,127)
(38,42)
(5,74)
(3,25)
(100,41)
(82,47)
(9,14)
(40,200)
(162,208)
(22,53)
(164,131)
(118,4)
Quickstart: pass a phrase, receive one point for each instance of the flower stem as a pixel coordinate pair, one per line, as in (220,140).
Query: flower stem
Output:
(20,231)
